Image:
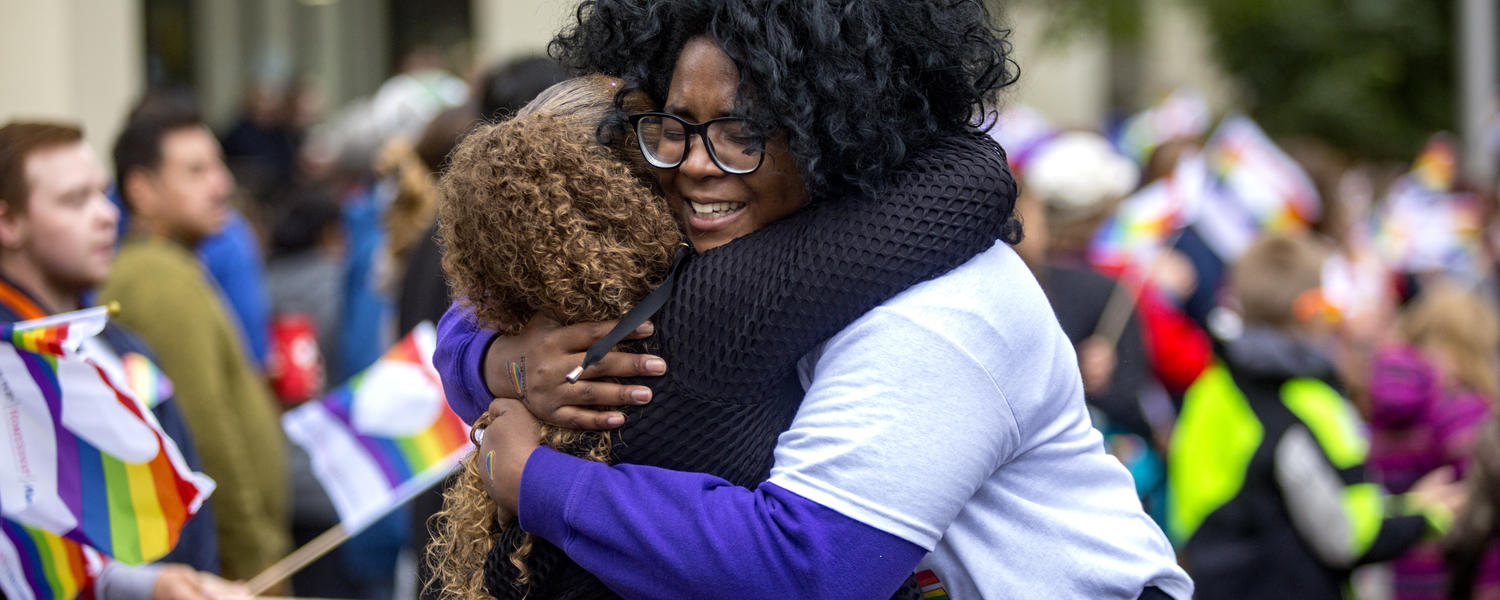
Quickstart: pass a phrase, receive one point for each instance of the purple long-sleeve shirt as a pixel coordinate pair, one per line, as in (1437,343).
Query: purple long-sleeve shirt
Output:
(653,533)
(459,360)
(648,532)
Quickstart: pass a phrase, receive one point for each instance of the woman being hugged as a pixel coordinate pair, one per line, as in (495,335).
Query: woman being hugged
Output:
(822,159)
(569,228)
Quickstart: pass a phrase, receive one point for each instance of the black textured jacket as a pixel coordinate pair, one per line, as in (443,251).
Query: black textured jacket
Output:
(741,316)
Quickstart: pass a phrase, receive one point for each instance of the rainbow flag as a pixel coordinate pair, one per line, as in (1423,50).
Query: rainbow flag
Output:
(1182,115)
(1140,226)
(1253,173)
(144,379)
(382,435)
(88,464)
(1147,221)
(56,335)
(1435,167)
(1419,229)
(39,565)
(1423,226)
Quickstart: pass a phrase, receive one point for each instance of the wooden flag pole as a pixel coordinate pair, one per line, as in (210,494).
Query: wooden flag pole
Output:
(1117,311)
(298,559)
(1126,295)
(338,534)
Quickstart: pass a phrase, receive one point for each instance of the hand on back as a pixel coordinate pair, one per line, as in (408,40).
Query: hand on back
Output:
(545,351)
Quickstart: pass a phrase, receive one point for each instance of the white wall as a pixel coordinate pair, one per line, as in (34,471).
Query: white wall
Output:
(71,60)
(1070,81)
(505,29)
(1067,81)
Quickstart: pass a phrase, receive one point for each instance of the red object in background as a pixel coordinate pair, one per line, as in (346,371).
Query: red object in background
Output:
(295,366)
(1178,349)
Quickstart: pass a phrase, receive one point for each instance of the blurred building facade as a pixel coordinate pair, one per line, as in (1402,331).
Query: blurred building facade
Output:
(1083,80)
(89,60)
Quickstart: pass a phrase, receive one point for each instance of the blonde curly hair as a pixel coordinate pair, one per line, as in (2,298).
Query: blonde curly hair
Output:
(1460,329)
(537,217)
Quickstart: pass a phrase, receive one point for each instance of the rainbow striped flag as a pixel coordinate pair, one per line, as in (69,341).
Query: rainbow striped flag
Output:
(1435,167)
(1184,114)
(1420,230)
(1422,225)
(1148,220)
(1140,226)
(86,462)
(39,565)
(144,379)
(1255,174)
(56,335)
(384,434)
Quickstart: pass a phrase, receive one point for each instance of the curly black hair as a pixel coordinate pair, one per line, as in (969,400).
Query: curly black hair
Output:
(856,85)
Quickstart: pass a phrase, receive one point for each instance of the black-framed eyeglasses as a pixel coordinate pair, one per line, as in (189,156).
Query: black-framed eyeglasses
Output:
(664,141)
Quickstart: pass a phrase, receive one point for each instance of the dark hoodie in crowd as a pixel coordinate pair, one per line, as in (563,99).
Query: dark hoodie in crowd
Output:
(1267,486)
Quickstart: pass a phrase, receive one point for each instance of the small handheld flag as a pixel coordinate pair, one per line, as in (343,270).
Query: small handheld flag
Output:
(1182,115)
(381,434)
(1260,177)
(60,334)
(39,565)
(87,468)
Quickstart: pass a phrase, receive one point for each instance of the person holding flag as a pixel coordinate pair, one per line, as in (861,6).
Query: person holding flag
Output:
(57,234)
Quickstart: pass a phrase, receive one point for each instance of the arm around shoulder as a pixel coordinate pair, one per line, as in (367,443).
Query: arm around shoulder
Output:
(654,533)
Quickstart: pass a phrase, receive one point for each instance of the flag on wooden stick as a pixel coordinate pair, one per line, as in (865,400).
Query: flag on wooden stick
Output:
(83,459)
(384,433)
(56,335)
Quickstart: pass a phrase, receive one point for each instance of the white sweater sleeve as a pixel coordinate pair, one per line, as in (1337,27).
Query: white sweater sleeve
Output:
(119,581)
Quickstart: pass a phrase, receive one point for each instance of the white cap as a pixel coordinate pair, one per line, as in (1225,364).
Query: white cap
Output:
(1078,173)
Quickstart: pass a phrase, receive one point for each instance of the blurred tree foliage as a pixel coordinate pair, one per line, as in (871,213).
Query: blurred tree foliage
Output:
(1372,77)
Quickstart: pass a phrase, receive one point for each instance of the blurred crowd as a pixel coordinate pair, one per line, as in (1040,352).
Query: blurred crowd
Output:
(1189,261)
(264,265)
(345,209)
(1267,335)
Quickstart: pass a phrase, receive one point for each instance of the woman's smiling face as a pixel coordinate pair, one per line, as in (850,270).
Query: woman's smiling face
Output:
(716,207)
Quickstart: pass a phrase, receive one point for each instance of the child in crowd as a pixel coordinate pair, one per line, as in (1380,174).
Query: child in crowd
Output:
(1429,397)
(1267,489)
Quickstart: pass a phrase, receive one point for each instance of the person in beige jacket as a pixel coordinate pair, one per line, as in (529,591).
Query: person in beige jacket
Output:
(172,177)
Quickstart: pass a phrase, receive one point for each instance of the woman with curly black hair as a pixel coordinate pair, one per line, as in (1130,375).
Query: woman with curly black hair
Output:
(823,161)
